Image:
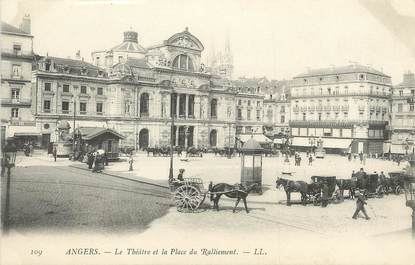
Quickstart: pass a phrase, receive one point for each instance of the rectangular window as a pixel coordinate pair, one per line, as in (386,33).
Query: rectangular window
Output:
(83,89)
(258,103)
(400,93)
(411,107)
(282,118)
(48,86)
(249,103)
(319,116)
(99,108)
(17,49)
(15,113)
(100,91)
(248,114)
(239,114)
(46,105)
(346,115)
(304,116)
(400,107)
(258,115)
(65,88)
(16,70)
(65,106)
(239,102)
(82,107)
(15,93)
(282,109)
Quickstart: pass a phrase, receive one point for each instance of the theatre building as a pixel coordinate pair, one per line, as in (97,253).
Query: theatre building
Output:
(136,90)
(344,108)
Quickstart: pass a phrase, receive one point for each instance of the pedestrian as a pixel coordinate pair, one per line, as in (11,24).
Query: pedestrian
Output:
(325,195)
(310,160)
(180,176)
(349,157)
(55,153)
(90,159)
(131,161)
(360,205)
(364,159)
(361,157)
(30,149)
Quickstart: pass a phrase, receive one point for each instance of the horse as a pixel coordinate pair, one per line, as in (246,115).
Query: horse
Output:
(231,191)
(293,186)
(346,184)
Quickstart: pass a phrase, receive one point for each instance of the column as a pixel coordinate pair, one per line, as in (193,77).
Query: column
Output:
(196,109)
(185,133)
(177,105)
(177,135)
(187,106)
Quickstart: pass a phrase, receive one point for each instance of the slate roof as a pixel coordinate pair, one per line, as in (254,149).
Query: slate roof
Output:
(5,27)
(75,66)
(341,70)
(129,46)
(134,62)
(89,133)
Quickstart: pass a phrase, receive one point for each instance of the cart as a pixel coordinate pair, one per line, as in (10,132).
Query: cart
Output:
(317,184)
(188,194)
(371,185)
(396,182)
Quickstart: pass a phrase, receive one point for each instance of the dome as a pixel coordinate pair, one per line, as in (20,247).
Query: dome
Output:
(129,44)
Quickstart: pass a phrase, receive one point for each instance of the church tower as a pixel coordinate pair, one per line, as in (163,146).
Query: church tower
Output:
(221,63)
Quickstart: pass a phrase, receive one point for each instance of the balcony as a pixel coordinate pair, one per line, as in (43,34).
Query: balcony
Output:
(18,122)
(335,123)
(16,53)
(336,108)
(319,108)
(16,102)
(311,108)
(345,108)
(327,108)
(65,111)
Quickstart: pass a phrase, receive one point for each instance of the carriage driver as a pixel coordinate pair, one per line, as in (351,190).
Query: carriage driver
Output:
(180,176)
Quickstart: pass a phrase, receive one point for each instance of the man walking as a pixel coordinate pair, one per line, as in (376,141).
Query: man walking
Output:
(325,195)
(360,205)
(55,153)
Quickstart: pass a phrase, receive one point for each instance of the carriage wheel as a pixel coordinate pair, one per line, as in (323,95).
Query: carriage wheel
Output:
(188,198)
(379,191)
(398,190)
(316,200)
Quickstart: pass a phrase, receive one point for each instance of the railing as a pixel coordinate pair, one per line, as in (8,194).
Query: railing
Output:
(328,123)
(11,52)
(22,123)
(10,101)
(382,94)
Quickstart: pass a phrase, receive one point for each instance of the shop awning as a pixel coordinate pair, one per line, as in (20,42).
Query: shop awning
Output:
(398,149)
(89,133)
(337,143)
(327,142)
(23,131)
(260,138)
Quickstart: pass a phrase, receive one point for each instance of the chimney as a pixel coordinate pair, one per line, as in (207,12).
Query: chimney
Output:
(408,77)
(26,24)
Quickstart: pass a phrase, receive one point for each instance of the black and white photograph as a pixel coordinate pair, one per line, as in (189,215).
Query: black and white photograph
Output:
(207,132)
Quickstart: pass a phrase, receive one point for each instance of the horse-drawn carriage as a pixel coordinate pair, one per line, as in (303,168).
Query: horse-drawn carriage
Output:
(320,181)
(395,183)
(190,193)
(370,184)
(194,152)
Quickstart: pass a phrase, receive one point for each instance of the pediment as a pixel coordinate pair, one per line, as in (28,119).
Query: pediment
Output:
(185,40)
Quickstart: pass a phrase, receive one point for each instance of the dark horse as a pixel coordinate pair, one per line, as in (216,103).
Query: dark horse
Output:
(231,191)
(293,186)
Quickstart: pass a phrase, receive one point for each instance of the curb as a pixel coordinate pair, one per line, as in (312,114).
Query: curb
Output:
(124,178)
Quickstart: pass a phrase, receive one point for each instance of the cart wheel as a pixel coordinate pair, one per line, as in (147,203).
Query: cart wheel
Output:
(188,198)
(398,190)
(379,191)
(316,200)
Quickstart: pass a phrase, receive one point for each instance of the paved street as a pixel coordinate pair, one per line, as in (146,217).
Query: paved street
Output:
(64,196)
(59,198)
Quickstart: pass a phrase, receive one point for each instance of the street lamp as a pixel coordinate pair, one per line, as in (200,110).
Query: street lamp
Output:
(409,185)
(73,130)
(8,161)
(171,138)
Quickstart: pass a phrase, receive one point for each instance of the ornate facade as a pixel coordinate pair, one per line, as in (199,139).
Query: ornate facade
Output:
(136,90)
(344,106)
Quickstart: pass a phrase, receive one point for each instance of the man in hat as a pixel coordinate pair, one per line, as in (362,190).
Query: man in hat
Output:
(325,194)
(180,176)
(360,205)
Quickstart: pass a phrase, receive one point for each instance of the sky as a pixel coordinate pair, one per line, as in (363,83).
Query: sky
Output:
(276,39)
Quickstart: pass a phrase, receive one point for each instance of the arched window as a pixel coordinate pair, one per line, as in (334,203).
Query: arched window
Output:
(144,105)
(213,109)
(213,138)
(183,62)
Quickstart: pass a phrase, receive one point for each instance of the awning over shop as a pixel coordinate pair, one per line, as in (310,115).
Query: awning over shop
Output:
(23,131)
(260,138)
(337,143)
(327,142)
(89,133)
(398,149)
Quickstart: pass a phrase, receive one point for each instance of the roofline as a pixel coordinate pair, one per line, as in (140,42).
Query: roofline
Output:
(17,34)
(312,75)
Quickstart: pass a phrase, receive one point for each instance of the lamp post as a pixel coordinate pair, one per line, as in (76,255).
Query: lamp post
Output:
(8,161)
(73,130)
(410,192)
(229,141)
(171,138)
